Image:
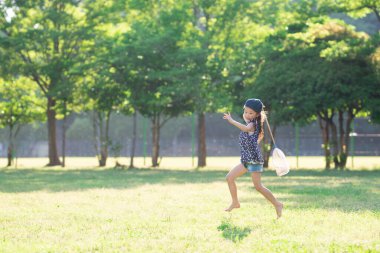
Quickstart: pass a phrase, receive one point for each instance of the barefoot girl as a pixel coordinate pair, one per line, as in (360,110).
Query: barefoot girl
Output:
(251,159)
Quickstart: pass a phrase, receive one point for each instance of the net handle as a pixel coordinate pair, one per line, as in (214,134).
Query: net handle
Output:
(270,131)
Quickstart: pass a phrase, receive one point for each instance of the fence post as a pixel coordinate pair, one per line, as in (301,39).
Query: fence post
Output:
(192,139)
(144,138)
(352,142)
(297,142)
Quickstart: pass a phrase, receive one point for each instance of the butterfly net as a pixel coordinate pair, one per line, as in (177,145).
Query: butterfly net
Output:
(279,162)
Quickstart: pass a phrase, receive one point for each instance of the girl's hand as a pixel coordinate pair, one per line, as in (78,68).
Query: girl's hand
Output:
(227,116)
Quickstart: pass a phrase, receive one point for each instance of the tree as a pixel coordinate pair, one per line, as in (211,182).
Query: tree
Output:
(354,8)
(47,38)
(101,96)
(321,72)
(373,101)
(216,28)
(149,64)
(257,31)
(19,104)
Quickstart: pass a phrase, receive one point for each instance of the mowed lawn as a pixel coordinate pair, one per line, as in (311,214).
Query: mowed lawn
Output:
(176,210)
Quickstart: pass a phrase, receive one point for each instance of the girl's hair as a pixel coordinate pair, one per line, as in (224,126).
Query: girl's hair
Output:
(261,118)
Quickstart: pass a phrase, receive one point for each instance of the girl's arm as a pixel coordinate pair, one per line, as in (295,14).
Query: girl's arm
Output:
(244,128)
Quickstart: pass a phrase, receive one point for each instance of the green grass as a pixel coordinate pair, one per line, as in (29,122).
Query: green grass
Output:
(186,163)
(169,210)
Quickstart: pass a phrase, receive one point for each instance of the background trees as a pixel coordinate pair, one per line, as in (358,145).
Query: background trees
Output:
(20,104)
(322,72)
(163,59)
(46,37)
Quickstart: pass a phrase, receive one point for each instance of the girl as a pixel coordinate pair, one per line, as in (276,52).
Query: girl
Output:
(251,159)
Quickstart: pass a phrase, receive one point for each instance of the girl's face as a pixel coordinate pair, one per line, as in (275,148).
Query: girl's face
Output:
(249,114)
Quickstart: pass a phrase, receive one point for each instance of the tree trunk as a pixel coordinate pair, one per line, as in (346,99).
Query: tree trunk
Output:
(325,136)
(133,147)
(104,137)
(53,152)
(96,140)
(345,136)
(10,146)
(201,140)
(64,135)
(350,118)
(334,142)
(10,155)
(342,142)
(103,156)
(101,136)
(199,14)
(155,139)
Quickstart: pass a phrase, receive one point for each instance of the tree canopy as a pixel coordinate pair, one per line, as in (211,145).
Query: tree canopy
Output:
(168,58)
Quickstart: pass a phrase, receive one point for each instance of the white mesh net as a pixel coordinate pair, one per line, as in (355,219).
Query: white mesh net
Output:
(279,162)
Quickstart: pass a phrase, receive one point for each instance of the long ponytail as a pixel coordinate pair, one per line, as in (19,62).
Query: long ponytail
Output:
(260,124)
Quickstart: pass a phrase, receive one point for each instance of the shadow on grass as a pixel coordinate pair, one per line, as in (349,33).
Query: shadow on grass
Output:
(333,173)
(28,180)
(344,190)
(232,232)
(348,191)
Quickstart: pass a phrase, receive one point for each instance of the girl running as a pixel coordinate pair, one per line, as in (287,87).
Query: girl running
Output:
(251,159)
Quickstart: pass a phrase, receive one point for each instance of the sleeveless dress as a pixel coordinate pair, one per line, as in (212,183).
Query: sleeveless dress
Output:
(251,156)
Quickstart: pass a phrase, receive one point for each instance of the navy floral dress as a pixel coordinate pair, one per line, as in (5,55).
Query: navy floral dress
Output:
(249,147)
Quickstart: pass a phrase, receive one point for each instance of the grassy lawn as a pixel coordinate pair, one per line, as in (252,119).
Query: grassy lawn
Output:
(186,163)
(177,210)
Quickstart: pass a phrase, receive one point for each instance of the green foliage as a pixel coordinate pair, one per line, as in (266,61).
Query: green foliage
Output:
(149,62)
(176,57)
(354,8)
(45,40)
(314,72)
(19,103)
(374,97)
(46,37)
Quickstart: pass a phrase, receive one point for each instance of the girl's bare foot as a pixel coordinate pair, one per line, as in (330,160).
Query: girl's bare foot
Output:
(279,207)
(232,206)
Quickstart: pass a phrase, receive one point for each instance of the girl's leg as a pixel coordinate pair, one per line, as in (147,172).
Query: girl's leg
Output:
(256,179)
(231,176)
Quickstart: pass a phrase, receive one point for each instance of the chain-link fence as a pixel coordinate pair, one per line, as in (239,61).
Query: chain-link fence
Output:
(178,138)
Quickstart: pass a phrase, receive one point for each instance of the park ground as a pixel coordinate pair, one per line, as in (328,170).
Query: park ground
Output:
(176,208)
